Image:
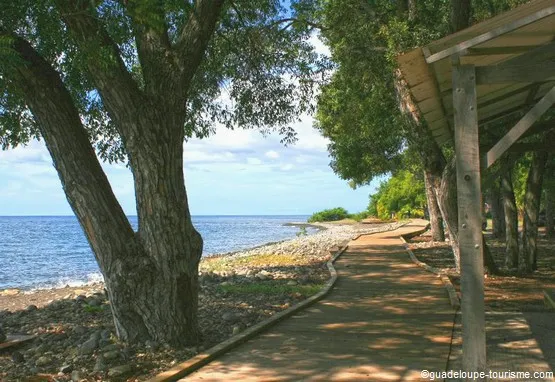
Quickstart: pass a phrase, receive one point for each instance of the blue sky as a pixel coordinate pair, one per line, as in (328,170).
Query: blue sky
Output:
(237,172)
(233,172)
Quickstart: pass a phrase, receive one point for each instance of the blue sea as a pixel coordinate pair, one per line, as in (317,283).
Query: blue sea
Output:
(51,251)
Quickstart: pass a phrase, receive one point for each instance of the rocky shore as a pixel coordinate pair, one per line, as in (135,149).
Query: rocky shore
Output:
(74,333)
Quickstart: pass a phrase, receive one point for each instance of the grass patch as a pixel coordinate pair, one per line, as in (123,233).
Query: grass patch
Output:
(271,288)
(262,260)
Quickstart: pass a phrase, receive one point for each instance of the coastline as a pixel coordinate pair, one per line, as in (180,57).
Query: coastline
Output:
(75,334)
(314,246)
(96,284)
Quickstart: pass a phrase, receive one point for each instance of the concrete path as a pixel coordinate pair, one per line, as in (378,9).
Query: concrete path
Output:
(386,320)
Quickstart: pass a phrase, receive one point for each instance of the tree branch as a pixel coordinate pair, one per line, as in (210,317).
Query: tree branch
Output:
(195,36)
(153,44)
(120,93)
(85,184)
(292,20)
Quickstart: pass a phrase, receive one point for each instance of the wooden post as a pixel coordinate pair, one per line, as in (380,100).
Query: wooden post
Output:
(469,197)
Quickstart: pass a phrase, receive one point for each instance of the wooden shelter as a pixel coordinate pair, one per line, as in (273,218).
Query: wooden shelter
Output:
(460,84)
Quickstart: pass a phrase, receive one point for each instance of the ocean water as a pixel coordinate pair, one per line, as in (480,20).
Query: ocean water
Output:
(52,251)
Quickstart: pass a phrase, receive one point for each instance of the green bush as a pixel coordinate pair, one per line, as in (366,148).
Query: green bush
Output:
(360,215)
(333,214)
(401,195)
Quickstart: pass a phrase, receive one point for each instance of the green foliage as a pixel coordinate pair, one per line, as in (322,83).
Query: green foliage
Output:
(93,309)
(332,214)
(400,195)
(259,71)
(360,215)
(358,109)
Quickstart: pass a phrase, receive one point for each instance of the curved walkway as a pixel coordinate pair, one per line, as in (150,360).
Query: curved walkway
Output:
(386,320)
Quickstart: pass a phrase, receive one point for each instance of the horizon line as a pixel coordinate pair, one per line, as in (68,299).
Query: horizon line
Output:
(199,215)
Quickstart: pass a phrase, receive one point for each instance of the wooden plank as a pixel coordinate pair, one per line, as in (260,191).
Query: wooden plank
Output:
(489,24)
(520,128)
(494,97)
(489,35)
(470,218)
(539,55)
(500,50)
(511,74)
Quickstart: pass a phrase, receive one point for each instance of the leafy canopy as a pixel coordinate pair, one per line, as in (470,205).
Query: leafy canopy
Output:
(259,71)
(358,109)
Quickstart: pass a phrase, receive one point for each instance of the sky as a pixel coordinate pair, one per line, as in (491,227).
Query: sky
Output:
(234,172)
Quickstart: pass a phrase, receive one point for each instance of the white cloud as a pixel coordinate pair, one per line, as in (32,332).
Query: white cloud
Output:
(287,167)
(34,152)
(254,161)
(198,156)
(272,154)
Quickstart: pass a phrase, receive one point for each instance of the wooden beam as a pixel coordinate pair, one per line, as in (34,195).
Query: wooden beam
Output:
(500,74)
(503,96)
(538,55)
(521,109)
(520,128)
(500,50)
(496,32)
(469,198)
(536,65)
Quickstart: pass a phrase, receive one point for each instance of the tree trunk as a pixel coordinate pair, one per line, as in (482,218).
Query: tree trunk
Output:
(494,200)
(528,260)
(549,186)
(167,291)
(511,220)
(436,221)
(151,276)
(447,198)
(549,211)
(447,201)
(460,14)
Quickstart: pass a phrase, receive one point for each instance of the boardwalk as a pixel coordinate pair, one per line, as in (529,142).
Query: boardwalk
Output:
(386,319)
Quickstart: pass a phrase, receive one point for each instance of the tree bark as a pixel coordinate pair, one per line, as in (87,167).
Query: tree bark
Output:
(447,201)
(436,221)
(2,335)
(528,259)
(511,220)
(447,197)
(460,15)
(151,276)
(549,186)
(549,211)
(493,197)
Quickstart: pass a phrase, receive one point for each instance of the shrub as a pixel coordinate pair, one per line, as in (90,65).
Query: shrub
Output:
(329,215)
(360,215)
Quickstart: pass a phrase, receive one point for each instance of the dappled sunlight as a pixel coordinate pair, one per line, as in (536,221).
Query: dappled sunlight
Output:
(385,320)
(440,339)
(390,343)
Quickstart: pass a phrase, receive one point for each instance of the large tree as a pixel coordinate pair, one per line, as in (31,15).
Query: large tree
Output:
(359,109)
(131,80)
